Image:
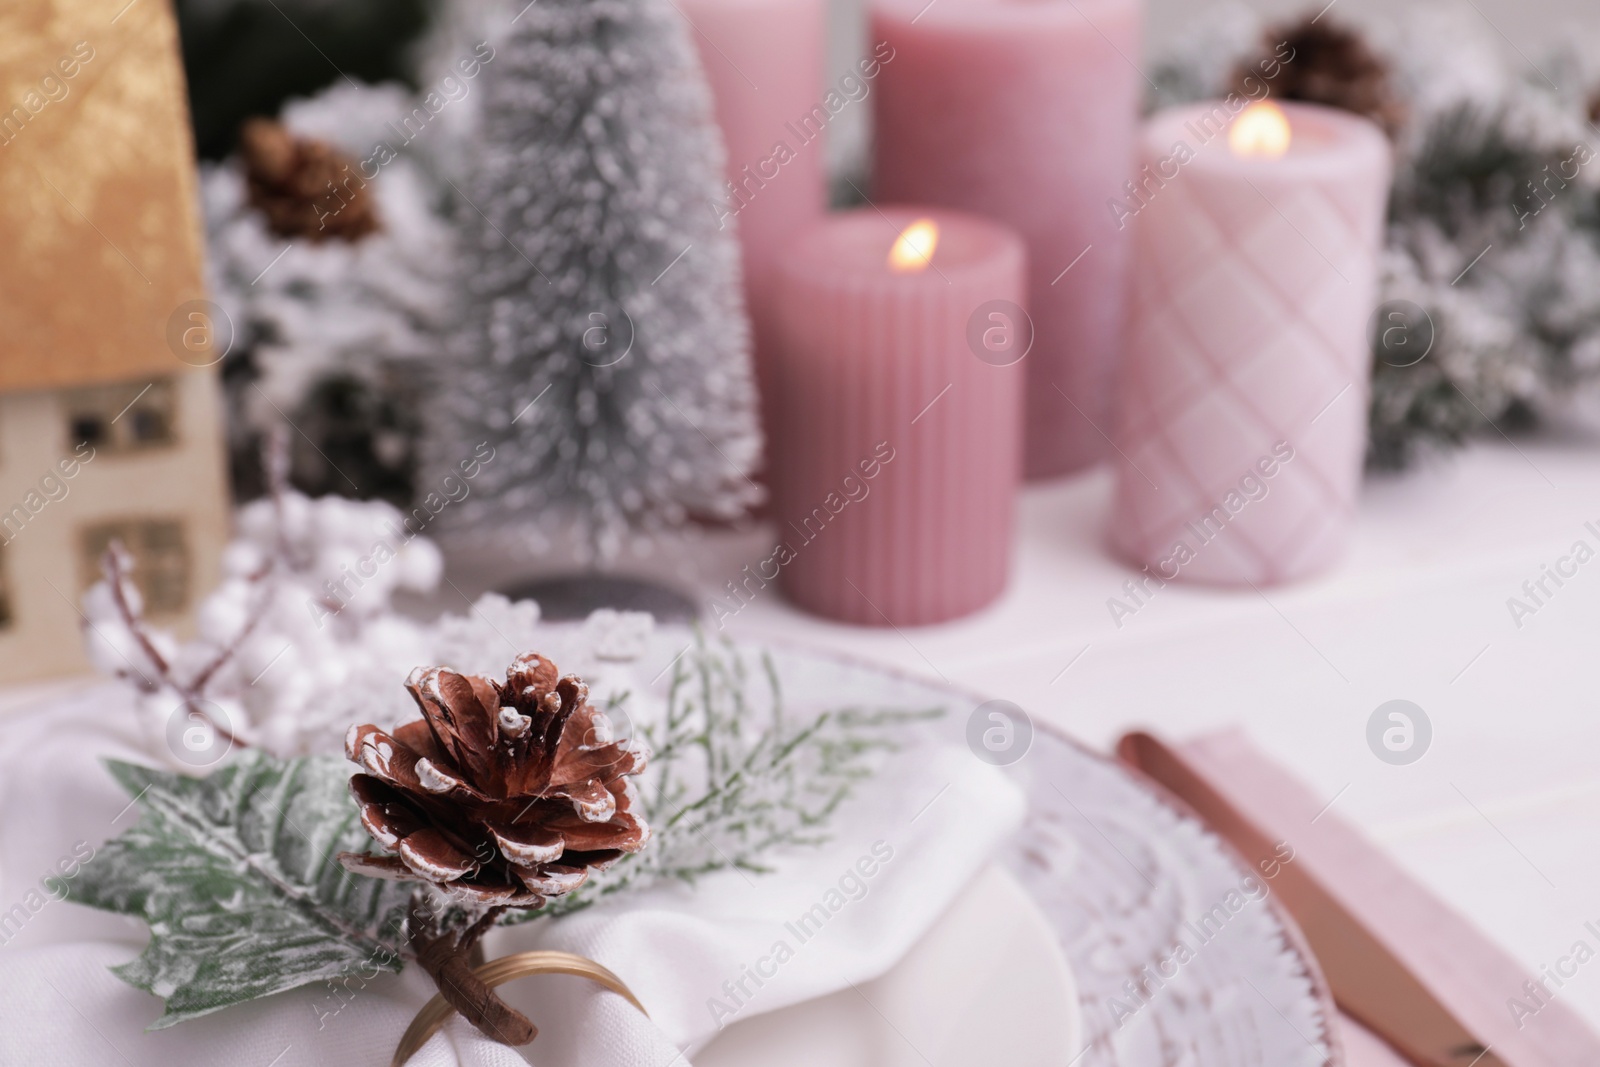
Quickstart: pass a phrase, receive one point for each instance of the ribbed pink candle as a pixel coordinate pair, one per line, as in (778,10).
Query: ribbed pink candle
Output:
(1026,111)
(895,457)
(1242,404)
(764,60)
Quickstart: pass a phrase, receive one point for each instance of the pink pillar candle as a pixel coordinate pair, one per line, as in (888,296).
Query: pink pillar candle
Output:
(764,60)
(1242,404)
(1026,111)
(896,450)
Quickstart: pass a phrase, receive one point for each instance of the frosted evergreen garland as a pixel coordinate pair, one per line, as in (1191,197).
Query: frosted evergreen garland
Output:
(357,318)
(1494,227)
(602,346)
(245,57)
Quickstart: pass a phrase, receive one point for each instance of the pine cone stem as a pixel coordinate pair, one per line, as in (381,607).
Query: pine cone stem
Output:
(447,959)
(469,939)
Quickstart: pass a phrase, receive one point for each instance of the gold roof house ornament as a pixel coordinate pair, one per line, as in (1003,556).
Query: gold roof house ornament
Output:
(109,414)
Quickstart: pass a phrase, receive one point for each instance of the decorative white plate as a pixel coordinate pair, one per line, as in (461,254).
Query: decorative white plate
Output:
(987,985)
(1180,955)
(1127,875)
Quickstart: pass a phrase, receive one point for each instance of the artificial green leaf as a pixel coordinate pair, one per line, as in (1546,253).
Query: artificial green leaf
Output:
(237,878)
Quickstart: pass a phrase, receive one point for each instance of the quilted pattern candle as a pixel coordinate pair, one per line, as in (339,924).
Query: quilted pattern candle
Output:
(898,388)
(1241,408)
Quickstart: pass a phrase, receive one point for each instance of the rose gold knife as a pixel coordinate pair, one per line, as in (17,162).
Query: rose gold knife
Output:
(1400,962)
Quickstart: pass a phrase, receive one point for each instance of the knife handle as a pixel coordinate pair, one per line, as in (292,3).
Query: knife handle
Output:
(1399,960)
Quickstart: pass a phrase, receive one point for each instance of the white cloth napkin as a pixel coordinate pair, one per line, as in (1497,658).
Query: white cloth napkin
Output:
(736,945)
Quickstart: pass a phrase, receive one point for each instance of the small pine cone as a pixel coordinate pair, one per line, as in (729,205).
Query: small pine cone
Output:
(1331,65)
(304,187)
(504,795)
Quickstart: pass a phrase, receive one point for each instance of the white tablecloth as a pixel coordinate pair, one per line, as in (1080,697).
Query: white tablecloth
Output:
(879,883)
(1502,815)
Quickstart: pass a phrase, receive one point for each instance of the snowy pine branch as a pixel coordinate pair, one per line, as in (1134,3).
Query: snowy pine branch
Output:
(733,778)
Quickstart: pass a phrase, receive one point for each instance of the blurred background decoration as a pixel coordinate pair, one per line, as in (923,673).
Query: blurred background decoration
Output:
(1487,158)
(430,226)
(246,58)
(338,289)
(1493,248)
(109,427)
(355,229)
(602,354)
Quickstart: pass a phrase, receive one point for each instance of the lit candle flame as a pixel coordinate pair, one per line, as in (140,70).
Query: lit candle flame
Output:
(913,249)
(1262,129)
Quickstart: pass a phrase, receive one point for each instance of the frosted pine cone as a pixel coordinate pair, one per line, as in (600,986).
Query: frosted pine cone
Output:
(504,794)
(304,187)
(1329,65)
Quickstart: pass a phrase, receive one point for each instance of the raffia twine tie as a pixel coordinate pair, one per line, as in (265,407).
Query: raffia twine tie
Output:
(498,972)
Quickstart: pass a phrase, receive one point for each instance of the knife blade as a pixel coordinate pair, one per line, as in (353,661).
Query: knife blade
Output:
(1398,959)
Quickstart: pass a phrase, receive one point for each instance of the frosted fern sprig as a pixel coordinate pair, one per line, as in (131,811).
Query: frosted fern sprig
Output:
(734,776)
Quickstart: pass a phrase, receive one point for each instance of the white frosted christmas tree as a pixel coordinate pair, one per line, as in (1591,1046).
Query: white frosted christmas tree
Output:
(603,349)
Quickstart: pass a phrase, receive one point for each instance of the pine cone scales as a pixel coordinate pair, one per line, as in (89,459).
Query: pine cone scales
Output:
(1331,65)
(304,187)
(504,794)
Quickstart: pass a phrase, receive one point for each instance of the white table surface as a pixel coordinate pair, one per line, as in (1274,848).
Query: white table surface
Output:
(1501,817)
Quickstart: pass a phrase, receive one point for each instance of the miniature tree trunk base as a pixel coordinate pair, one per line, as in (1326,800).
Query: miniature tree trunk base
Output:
(572,597)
